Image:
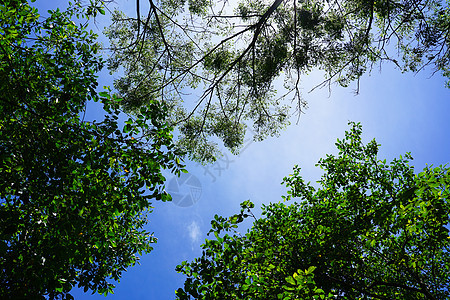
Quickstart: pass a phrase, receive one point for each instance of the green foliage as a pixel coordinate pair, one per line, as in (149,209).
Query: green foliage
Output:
(301,285)
(230,60)
(74,195)
(370,230)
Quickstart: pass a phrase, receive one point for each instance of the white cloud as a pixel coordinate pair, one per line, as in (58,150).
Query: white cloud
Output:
(194,232)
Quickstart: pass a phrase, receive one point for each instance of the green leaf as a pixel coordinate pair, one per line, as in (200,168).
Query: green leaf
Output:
(105,95)
(290,280)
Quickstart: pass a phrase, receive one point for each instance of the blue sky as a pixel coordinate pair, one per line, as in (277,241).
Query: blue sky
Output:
(404,112)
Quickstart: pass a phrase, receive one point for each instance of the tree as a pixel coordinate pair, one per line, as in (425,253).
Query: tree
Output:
(370,230)
(74,195)
(233,58)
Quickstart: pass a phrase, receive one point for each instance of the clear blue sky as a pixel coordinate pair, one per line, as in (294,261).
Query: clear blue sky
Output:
(404,112)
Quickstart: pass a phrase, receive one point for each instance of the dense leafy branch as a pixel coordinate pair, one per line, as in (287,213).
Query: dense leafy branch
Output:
(235,58)
(74,194)
(369,230)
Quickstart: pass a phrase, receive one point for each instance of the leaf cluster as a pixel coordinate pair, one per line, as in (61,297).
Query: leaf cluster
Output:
(234,59)
(370,230)
(74,194)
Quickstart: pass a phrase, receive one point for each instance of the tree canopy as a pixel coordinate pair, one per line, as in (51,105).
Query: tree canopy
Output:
(369,230)
(74,194)
(232,57)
